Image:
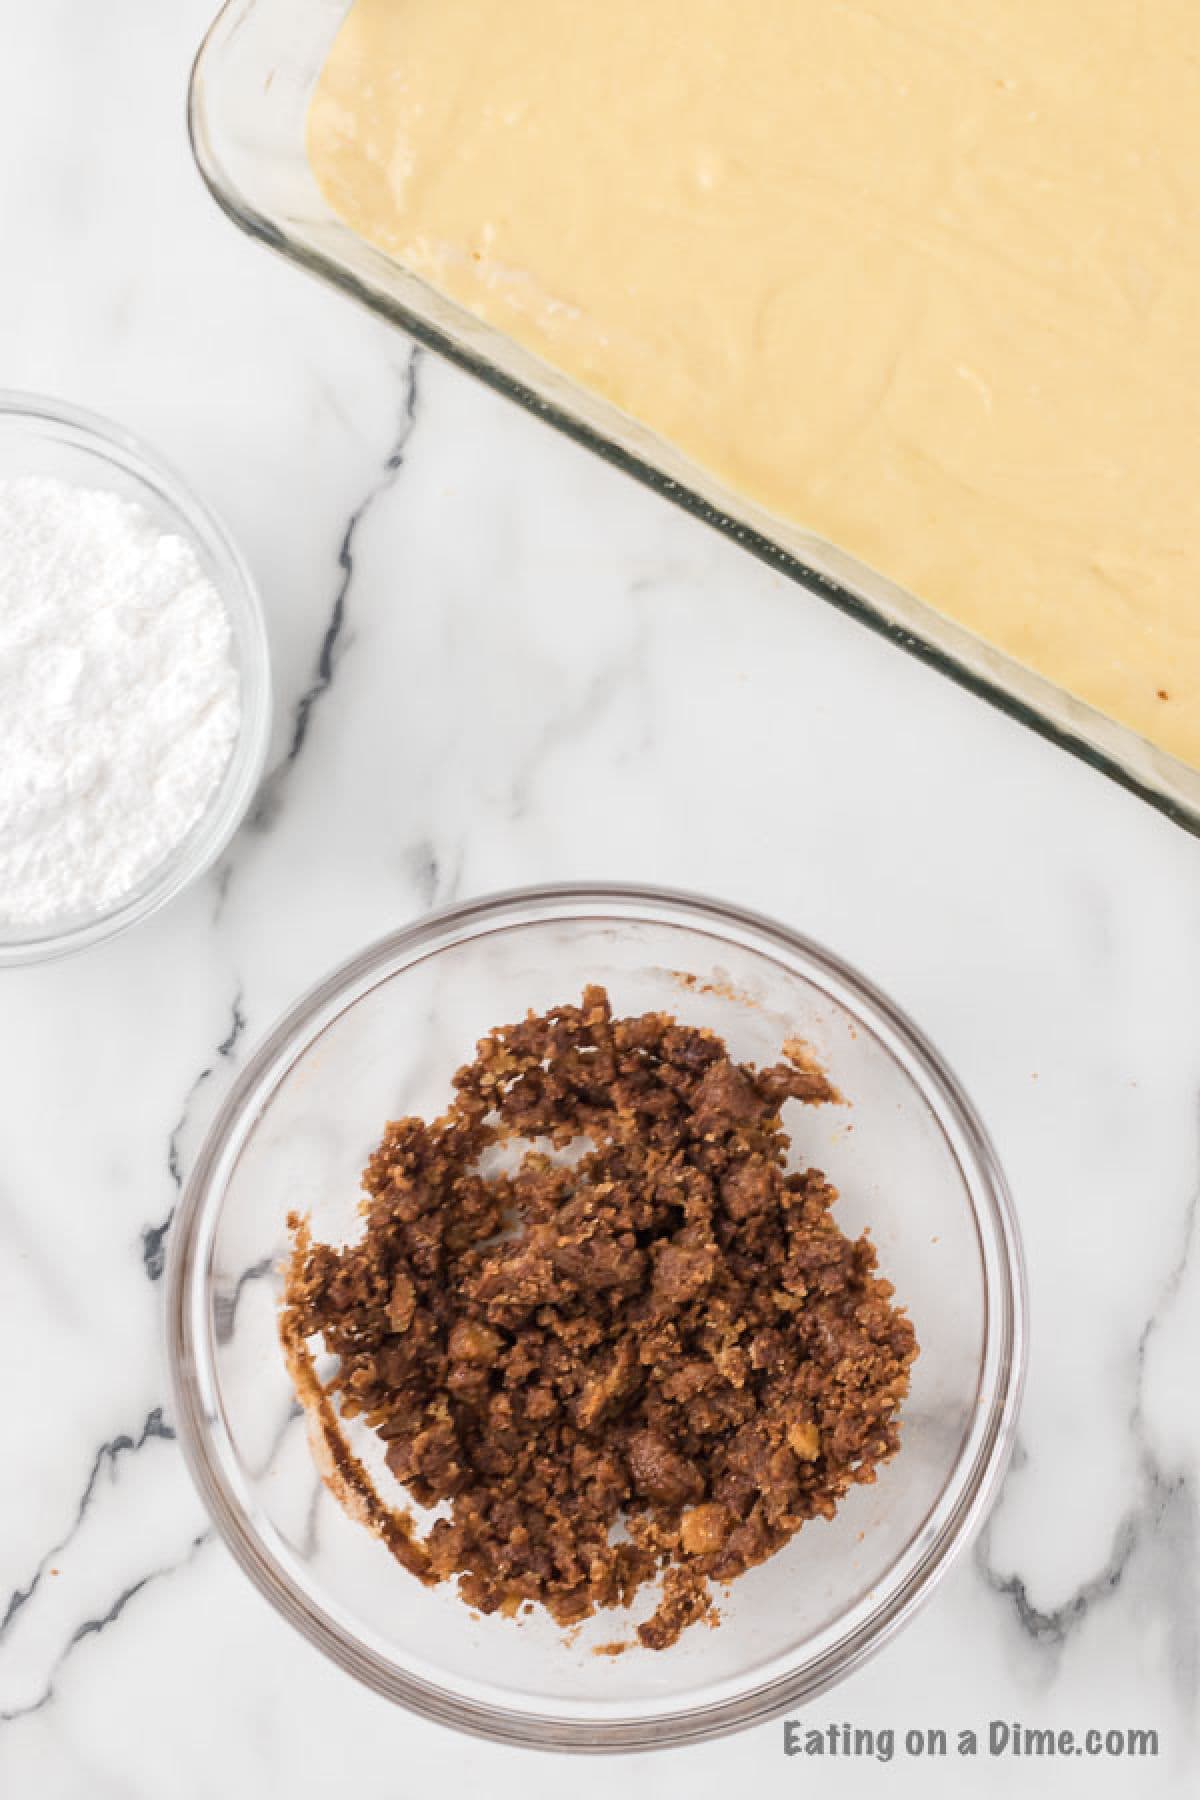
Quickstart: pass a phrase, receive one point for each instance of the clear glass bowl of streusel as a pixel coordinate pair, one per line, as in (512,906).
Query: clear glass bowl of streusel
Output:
(381,1039)
(48,440)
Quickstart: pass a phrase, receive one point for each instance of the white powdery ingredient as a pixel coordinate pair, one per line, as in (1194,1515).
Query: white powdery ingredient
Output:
(119,697)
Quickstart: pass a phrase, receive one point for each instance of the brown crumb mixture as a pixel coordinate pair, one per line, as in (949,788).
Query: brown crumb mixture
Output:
(652,1361)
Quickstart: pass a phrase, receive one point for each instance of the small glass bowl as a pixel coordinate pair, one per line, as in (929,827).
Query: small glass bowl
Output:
(381,1038)
(44,437)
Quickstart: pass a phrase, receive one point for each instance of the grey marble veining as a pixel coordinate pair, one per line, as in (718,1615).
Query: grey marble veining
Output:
(334,641)
(497,661)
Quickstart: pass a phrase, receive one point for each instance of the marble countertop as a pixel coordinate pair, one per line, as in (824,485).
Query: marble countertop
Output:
(499,662)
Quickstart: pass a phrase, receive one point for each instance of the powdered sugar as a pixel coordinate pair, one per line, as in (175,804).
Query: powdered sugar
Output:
(119,697)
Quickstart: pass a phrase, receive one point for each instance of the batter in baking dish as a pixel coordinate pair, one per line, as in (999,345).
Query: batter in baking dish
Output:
(920,275)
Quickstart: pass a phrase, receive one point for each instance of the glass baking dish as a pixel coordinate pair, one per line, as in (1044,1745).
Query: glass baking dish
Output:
(248,109)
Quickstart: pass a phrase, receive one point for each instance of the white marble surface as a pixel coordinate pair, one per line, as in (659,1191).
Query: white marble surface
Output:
(498,662)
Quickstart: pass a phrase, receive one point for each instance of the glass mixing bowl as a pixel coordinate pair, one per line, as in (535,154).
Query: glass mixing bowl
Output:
(47,438)
(381,1038)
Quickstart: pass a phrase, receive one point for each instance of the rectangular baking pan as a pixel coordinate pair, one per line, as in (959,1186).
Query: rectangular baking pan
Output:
(248,109)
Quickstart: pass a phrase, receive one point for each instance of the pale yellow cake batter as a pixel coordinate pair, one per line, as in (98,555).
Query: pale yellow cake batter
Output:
(922,275)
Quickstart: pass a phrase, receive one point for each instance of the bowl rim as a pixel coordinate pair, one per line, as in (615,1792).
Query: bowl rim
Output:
(115,446)
(978,1468)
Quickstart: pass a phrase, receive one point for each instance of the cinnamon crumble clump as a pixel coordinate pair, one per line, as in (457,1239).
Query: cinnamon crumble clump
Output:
(668,1334)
